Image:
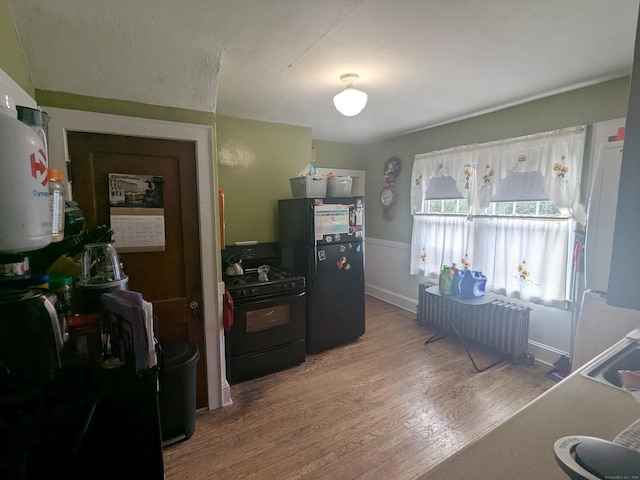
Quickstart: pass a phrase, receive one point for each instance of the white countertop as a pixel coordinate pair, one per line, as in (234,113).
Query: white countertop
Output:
(522,446)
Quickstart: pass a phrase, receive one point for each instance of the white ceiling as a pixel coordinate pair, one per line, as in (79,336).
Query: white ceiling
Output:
(422,62)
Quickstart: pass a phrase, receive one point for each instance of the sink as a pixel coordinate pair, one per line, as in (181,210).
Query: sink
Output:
(625,355)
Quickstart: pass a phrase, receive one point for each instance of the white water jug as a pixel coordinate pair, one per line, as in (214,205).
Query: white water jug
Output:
(25,213)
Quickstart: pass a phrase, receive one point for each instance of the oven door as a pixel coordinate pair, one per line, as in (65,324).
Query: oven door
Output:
(266,323)
(267,335)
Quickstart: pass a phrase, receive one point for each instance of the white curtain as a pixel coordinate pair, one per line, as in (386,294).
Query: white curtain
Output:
(525,258)
(478,169)
(438,240)
(504,249)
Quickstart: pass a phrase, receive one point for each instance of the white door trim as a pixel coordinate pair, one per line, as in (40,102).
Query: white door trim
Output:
(62,120)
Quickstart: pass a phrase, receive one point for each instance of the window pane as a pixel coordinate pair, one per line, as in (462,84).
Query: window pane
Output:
(548,208)
(504,208)
(435,206)
(525,208)
(450,206)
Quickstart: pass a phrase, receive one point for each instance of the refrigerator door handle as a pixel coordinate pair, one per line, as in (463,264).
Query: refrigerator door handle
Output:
(313,267)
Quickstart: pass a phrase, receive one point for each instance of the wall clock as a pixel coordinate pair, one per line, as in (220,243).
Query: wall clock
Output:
(391,170)
(388,201)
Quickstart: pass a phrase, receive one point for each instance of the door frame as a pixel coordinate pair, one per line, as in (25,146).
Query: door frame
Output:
(63,120)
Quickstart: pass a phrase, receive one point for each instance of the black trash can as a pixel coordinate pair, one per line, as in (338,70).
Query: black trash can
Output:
(177,395)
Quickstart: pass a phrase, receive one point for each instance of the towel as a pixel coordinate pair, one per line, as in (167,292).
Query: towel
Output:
(227,310)
(630,436)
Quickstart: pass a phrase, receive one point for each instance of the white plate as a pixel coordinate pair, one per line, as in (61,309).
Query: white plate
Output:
(248,242)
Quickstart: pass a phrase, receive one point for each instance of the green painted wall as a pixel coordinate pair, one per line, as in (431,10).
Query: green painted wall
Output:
(255,162)
(338,155)
(587,105)
(11,57)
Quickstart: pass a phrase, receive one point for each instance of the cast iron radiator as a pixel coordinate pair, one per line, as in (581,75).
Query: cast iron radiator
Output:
(500,324)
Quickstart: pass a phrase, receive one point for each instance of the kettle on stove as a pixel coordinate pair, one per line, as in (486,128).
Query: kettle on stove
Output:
(235,267)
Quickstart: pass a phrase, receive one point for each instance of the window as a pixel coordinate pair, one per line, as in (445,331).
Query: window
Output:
(508,207)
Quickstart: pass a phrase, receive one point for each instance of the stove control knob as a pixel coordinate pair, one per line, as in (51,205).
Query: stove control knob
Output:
(252,291)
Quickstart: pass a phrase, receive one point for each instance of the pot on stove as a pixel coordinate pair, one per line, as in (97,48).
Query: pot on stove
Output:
(235,267)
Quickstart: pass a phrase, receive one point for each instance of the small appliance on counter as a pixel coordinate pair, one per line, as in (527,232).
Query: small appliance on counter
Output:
(31,341)
(25,217)
(101,273)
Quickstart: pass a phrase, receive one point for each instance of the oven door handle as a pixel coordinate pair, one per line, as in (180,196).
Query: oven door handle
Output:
(272,296)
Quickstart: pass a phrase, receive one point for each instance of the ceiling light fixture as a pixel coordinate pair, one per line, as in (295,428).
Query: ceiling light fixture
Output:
(350,101)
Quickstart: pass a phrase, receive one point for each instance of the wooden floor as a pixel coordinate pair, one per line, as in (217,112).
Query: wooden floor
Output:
(387,406)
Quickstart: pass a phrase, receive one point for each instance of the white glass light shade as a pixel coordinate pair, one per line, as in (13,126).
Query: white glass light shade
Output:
(350,101)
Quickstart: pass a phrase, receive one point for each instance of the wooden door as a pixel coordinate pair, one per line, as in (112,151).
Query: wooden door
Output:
(170,279)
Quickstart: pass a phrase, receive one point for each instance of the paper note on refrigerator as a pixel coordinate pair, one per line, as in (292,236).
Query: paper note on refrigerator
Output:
(331,220)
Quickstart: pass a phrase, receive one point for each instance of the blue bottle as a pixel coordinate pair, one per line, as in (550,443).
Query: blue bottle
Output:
(473,284)
(456,281)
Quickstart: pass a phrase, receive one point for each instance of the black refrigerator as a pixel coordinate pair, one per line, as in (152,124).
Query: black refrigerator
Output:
(323,239)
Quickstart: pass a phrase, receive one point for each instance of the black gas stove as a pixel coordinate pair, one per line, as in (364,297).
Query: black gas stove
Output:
(263,275)
(263,281)
(269,319)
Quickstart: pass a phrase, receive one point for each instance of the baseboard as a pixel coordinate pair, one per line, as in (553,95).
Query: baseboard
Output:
(393,298)
(544,353)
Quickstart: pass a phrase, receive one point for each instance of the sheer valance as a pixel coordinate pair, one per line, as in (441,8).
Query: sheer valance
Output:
(479,169)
